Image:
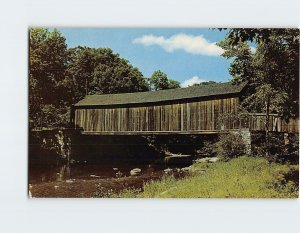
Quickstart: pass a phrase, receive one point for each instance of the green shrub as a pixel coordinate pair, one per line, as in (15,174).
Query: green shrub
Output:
(230,146)
(292,148)
(276,150)
(207,149)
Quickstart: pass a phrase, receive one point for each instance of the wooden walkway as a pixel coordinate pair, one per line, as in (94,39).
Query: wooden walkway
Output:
(145,133)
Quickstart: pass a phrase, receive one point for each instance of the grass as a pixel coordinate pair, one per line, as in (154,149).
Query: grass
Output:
(243,177)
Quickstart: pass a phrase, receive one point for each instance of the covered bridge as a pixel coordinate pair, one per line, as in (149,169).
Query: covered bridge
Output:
(192,110)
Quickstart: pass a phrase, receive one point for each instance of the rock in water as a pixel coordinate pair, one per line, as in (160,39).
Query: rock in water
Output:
(168,170)
(70,181)
(135,171)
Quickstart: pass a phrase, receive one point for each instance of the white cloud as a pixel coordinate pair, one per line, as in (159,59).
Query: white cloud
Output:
(192,81)
(188,43)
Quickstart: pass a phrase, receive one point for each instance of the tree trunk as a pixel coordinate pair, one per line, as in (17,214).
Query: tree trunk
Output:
(267,128)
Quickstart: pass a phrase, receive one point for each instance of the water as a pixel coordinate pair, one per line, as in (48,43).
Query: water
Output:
(85,171)
(95,161)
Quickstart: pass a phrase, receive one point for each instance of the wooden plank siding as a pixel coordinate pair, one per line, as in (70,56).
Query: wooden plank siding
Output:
(276,123)
(176,117)
(180,110)
(184,116)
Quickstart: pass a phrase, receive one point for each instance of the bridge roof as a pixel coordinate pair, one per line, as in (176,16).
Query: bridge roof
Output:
(161,96)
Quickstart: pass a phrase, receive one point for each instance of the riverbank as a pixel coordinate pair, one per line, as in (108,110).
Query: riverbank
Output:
(243,177)
(102,187)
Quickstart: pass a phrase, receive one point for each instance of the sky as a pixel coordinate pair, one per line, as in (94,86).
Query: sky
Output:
(186,55)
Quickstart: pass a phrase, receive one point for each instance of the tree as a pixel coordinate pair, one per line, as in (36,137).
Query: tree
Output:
(173,84)
(271,72)
(159,81)
(59,77)
(100,71)
(80,71)
(119,76)
(275,62)
(47,66)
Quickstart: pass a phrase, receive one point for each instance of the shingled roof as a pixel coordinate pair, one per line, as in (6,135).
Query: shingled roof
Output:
(161,96)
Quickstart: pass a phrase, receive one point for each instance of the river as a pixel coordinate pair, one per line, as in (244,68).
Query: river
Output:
(83,170)
(94,161)
(81,178)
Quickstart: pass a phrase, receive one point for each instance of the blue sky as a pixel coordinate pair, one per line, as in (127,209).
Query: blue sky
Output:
(186,55)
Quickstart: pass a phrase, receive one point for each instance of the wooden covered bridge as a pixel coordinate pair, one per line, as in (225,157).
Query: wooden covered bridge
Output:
(192,110)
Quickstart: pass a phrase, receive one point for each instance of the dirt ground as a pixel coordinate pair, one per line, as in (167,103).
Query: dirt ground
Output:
(86,188)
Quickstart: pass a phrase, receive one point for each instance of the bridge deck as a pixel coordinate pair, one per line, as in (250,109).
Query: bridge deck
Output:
(155,132)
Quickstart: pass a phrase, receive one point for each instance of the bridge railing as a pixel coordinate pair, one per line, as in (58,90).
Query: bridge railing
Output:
(256,121)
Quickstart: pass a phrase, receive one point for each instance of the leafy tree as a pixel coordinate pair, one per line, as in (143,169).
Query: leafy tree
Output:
(47,66)
(159,81)
(272,72)
(80,71)
(59,77)
(173,84)
(275,62)
(118,77)
(100,71)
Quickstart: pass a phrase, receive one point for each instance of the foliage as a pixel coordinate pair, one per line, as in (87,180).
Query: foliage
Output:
(272,71)
(229,146)
(48,63)
(279,151)
(100,71)
(292,147)
(204,83)
(206,149)
(159,81)
(198,145)
(173,84)
(59,77)
(243,177)
(240,117)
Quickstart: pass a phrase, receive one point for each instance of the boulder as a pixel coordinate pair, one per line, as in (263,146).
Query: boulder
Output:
(168,170)
(185,169)
(135,171)
(213,159)
(208,160)
(203,160)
